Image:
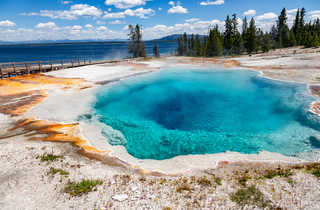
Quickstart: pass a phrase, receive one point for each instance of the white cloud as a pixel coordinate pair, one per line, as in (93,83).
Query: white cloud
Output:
(76,11)
(140,12)
(160,9)
(177,8)
(250,12)
(99,22)
(66,2)
(196,27)
(88,26)
(7,23)
(76,27)
(191,20)
(209,2)
(102,28)
(48,25)
(292,11)
(125,4)
(314,14)
(267,16)
(117,22)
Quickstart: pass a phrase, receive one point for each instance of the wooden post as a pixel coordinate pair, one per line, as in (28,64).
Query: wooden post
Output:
(14,68)
(27,71)
(40,67)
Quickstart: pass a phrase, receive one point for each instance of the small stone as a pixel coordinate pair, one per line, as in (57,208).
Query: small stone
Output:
(120,197)
(134,188)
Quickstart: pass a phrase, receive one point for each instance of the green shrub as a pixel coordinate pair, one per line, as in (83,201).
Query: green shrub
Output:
(83,187)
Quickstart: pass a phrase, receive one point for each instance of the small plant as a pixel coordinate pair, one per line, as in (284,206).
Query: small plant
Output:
(290,181)
(183,187)
(54,171)
(49,157)
(314,169)
(83,187)
(142,179)
(250,196)
(218,180)
(270,174)
(204,181)
(243,180)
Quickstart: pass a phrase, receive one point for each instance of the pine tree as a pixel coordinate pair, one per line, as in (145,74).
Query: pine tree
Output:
(214,43)
(237,41)
(136,46)
(283,37)
(245,33)
(228,35)
(252,37)
(293,41)
(266,44)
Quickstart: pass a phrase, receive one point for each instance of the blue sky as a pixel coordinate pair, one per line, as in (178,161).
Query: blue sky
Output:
(107,19)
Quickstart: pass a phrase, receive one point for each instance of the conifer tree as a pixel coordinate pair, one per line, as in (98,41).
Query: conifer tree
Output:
(228,35)
(136,46)
(252,37)
(283,37)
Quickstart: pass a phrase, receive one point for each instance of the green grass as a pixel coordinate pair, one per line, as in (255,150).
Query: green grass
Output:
(54,171)
(218,180)
(250,196)
(49,157)
(83,187)
(314,169)
(243,180)
(270,174)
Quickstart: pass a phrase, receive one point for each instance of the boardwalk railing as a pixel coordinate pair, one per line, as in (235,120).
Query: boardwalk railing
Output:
(31,67)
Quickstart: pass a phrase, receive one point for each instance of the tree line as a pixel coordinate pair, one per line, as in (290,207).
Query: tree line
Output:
(251,39)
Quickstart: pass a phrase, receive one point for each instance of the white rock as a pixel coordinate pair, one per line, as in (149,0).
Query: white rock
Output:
(120,197)
(134,188)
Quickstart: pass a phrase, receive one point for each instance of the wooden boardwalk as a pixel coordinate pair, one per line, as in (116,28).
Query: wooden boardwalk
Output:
(21,68)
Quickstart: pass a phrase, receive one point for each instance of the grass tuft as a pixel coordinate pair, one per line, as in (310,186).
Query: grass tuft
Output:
(314,169)
(204,181)
(250,196)
(83,187)
(54,171)
(183,187)
(49,157)
(270,174)
(218,180)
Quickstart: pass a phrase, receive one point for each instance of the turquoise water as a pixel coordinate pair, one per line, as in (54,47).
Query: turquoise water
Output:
(179,112)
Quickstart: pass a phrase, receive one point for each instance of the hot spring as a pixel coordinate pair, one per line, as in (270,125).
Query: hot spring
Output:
(205,111)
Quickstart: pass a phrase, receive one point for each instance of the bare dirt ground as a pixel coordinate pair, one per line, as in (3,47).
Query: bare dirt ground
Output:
(44,152)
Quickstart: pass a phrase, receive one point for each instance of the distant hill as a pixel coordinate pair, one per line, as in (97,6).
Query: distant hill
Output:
(174,37)
(169,38)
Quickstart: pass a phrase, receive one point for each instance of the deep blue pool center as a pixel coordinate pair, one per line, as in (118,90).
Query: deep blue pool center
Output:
(206,111)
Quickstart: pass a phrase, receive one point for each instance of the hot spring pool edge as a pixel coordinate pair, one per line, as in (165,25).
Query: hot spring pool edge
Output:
(264,156)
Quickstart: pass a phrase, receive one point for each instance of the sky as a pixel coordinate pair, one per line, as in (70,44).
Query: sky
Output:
(23,20)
